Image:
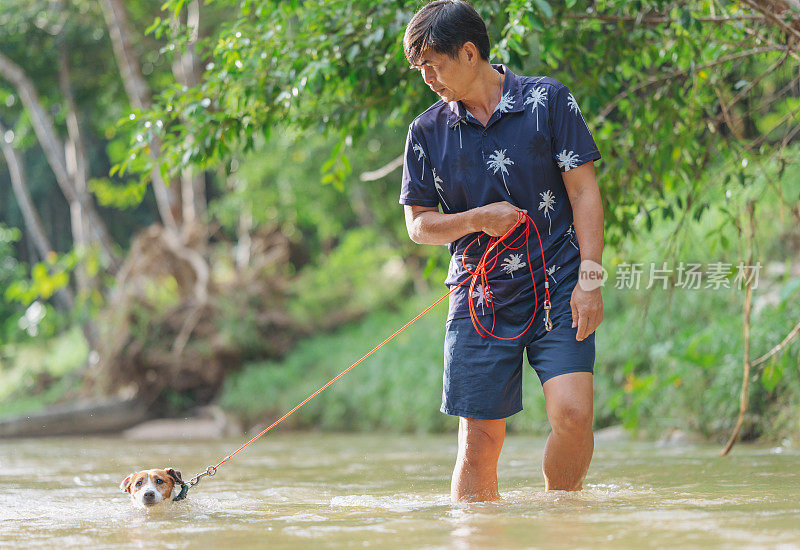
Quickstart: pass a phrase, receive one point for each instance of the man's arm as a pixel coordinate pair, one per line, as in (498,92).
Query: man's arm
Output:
(587,213)
(426,225)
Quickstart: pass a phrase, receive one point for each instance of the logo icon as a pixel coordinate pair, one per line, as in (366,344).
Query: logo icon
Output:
(591,275)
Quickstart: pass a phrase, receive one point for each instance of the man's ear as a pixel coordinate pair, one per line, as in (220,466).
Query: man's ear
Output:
(175,475)
(126,484)
(470,51)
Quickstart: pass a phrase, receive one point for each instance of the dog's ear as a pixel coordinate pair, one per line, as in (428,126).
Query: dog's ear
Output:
(126,484)
(175,475)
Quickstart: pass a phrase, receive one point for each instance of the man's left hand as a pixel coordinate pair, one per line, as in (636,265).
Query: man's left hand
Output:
(587,310)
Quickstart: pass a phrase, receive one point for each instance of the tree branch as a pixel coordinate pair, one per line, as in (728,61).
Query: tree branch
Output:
(743,399)
(767,8)
(777,349)
(383,171)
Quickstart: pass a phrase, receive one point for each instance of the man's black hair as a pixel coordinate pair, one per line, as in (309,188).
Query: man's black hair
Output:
(444,26)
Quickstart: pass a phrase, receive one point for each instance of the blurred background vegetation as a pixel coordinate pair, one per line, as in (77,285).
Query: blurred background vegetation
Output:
(198,204)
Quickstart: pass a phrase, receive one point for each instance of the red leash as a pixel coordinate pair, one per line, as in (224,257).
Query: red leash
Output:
(487,262)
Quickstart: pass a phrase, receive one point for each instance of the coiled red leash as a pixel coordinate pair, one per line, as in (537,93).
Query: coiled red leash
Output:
(488,261)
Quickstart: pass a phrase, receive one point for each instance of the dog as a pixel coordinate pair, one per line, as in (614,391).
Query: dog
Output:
(149,488)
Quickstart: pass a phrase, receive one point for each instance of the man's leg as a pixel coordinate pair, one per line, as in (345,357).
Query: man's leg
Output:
(568,452)
(475,474)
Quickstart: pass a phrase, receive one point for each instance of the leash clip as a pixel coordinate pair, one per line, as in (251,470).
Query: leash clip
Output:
(210,471)
(548,324)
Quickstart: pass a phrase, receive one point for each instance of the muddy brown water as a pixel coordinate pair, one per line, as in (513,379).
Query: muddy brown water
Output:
(387,491)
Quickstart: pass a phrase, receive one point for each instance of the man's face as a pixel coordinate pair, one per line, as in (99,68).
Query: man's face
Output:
(448,77)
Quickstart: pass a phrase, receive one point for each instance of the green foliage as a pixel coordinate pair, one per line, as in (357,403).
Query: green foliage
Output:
(362,274)
(396,389)
(41,372)
(684,369)
(10,270)
(46,278)
(118,196)
(651,89)
(278,186)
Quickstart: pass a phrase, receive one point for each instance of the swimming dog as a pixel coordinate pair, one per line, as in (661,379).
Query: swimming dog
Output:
(151,487)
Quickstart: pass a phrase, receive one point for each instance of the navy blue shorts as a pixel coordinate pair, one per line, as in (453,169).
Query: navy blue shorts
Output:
(483,376)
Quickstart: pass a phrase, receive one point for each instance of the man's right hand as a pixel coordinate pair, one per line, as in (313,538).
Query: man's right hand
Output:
(498,218)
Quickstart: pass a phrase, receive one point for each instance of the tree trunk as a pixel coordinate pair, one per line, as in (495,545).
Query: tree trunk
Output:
(77,161)
(33,222)
(186,70)
(139,96)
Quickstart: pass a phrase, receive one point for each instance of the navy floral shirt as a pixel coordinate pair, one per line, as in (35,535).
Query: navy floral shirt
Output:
(536,132)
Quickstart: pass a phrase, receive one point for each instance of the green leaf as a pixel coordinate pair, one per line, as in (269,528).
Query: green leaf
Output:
(771,375)
(545,8)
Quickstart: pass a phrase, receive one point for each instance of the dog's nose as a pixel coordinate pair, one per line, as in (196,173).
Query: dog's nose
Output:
(149,495)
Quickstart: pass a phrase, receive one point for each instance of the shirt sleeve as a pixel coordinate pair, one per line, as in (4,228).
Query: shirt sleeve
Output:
(417,187)
(573,144)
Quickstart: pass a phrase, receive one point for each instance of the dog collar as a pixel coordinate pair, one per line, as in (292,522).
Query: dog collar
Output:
(183,493)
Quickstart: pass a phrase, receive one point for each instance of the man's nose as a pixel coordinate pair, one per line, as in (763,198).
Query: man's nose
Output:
(428,76)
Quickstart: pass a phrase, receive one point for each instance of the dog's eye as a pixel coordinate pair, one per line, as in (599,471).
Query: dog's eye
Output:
(139,483)
(159,481)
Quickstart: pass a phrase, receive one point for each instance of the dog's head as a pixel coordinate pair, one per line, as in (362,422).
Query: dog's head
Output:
(150,487)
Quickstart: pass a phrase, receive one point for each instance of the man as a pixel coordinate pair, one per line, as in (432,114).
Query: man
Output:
(496,144)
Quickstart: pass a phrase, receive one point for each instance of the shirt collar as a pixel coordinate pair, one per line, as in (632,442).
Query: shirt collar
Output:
(511,86)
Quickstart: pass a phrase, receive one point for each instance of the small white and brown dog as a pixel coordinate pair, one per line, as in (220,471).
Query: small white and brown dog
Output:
(149,488)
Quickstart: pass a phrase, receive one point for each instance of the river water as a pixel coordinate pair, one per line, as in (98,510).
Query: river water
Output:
(302,490)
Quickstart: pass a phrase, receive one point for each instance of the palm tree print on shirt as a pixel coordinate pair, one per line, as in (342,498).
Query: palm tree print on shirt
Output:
(480,297)
(567,161)
(462,167)
(513,263)
(547,204)
(537,97)
(420,157)
(571,235)
(506,103)
(498,161)
(437,181)
(538,146)
(573,106)
(552,269)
